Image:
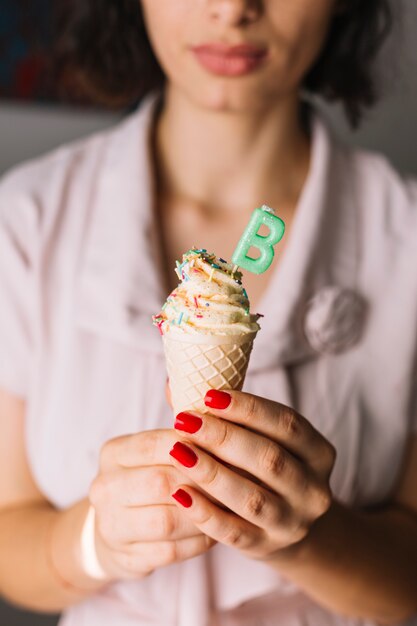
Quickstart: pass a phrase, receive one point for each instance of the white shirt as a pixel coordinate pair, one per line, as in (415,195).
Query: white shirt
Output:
(79,281)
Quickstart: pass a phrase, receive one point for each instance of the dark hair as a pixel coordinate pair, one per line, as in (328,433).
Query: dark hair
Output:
(104,48)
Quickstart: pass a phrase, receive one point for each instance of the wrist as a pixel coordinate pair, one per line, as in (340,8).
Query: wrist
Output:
(89,559)
(309,548)
(65,554)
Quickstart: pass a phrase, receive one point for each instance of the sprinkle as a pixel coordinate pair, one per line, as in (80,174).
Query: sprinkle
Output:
(158,323)
(245,293)
(180,318)
(199,316)
(207,304)
(235,268)
(164,306)
(196,302)
(216,266)
(211,275)
(222,260)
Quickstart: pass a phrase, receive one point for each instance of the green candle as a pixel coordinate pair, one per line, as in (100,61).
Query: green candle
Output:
(265,244)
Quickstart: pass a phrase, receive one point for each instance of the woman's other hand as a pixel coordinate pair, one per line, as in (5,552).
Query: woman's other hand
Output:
(138,526)
(264,462)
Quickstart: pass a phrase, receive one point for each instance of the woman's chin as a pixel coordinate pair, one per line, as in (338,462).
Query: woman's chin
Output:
(229,98)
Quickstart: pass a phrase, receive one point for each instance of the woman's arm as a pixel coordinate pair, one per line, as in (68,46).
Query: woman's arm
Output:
(26,522)
(359,563)
(26,576)
(138,529)
(363,559)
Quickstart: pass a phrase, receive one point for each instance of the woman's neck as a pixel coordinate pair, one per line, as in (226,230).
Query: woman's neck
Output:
(230,161)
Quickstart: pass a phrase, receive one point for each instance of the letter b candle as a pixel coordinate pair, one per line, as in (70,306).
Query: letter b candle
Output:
(265,244)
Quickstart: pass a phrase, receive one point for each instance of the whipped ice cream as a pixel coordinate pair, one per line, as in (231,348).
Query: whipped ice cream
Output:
(209,299)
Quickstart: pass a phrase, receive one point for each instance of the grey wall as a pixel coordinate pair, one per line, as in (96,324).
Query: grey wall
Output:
(27,131)
(10,616)
(391,128)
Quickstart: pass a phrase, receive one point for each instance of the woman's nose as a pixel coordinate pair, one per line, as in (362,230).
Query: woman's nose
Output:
(235,12)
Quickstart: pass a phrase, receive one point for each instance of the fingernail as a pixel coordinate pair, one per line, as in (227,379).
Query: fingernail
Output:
(188,423)
(183,498)
(184,454)
(217,399)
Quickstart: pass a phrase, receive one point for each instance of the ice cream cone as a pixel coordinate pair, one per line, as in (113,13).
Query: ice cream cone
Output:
(207,329)
(197,363)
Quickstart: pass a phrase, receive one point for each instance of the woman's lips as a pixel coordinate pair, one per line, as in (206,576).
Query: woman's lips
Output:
(225,60)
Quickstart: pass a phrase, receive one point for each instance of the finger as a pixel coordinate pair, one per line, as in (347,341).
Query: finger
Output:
(145,448)
(250,501)
(260,457)
(147,523)
(141,556)
(276,421)
(135,486)
(224,526)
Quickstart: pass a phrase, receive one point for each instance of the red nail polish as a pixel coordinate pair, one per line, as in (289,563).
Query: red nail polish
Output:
(188,423)
(183,498)
(217,399)
(184,454)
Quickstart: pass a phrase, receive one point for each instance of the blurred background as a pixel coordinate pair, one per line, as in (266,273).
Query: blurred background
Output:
(39,111)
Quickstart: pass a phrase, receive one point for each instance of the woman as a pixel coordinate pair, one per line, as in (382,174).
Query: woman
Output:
(89,235)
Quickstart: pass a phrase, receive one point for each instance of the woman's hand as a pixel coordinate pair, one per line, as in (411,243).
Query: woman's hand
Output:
(261,460)
(138,526)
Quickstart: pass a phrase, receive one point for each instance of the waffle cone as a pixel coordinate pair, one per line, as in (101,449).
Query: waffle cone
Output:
(197,363)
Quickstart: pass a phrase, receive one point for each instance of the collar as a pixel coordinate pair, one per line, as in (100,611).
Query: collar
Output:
(322,251)
(120,286)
